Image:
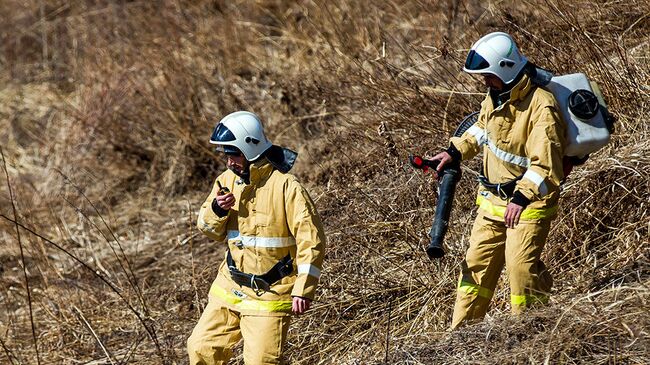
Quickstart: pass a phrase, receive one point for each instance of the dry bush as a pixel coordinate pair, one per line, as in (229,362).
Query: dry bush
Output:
(105,118)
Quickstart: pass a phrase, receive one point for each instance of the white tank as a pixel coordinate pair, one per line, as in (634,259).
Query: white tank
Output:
(584,135)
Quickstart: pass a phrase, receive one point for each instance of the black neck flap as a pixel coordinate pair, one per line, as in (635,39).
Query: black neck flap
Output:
(281,158)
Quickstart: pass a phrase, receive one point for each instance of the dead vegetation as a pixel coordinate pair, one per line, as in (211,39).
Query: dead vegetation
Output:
(105,110)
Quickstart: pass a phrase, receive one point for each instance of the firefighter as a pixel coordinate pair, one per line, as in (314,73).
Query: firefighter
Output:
(275,248)
(522,136)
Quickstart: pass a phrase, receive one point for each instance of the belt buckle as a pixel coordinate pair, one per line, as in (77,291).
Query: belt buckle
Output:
(502,194)
(255,285)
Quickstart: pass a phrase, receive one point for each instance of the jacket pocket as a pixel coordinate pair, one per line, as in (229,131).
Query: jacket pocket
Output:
(262,217)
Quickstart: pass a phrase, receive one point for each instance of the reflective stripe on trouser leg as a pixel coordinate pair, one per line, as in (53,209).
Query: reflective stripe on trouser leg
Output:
(480,270)
(530,281)
(213,337)
(264,338)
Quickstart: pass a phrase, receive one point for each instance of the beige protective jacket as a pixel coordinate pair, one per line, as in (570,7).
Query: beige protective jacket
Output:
(273,216)
(525,135)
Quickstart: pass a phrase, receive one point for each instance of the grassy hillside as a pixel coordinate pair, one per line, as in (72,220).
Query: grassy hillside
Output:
(105,112)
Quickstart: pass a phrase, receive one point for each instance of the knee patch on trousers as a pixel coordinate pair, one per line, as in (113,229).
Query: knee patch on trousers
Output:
(206,352)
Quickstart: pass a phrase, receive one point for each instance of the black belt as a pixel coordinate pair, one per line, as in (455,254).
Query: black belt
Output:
(502,190)
(260,283)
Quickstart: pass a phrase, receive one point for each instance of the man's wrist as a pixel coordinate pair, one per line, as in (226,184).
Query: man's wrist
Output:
(219,211)
(520,199)
(454,153)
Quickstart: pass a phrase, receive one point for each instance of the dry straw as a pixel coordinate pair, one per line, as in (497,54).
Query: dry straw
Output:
(105,111)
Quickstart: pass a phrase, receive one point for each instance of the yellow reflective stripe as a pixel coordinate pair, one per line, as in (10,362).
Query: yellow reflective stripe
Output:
(470,288)
(250,304)
(528,299)
(528,213)
(487,206)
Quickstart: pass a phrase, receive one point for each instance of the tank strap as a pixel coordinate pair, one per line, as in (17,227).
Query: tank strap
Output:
(539,76)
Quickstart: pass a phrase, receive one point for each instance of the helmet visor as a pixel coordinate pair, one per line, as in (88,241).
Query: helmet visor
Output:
(475,62)
(229,150)
(221,133)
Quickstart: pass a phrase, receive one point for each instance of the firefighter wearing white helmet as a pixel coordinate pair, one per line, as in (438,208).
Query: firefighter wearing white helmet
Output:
(522,137)
(275,247)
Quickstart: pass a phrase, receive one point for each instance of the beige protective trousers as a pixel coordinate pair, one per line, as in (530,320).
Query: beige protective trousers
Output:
(219,329)
(491,246)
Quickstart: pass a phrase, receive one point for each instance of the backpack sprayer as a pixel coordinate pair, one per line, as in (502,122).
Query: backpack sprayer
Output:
(447,180)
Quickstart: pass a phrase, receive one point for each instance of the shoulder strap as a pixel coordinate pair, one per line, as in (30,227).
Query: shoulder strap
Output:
(539,76)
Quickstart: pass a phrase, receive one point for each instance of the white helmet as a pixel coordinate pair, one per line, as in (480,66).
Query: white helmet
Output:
(497,54)
(241,132)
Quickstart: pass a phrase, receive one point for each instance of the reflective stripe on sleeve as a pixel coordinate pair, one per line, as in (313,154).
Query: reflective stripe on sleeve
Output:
(470,288)
(538,180)
(477,133)
(256,241)
(528,299)
(250,304)
(309,269)
(507,156)
(528,213)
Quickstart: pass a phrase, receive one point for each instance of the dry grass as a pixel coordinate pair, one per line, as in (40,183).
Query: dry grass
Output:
(105,110)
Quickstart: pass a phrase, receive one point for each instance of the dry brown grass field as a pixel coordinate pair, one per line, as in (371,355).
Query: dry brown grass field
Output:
(106,107)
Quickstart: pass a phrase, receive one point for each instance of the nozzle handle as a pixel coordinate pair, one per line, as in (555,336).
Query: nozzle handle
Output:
(422,163)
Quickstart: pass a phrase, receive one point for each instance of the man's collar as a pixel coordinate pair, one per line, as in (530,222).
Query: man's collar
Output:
(522,88)
(260,170)
(517,92)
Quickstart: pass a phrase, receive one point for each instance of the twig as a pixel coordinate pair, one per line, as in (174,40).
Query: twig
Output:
(7,351)
(92,331)
(22,257)
(390,307)
(45,52)
(125,359)
(191,240)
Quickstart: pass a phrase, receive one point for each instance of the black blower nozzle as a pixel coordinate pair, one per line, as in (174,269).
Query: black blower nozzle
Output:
(449,176)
